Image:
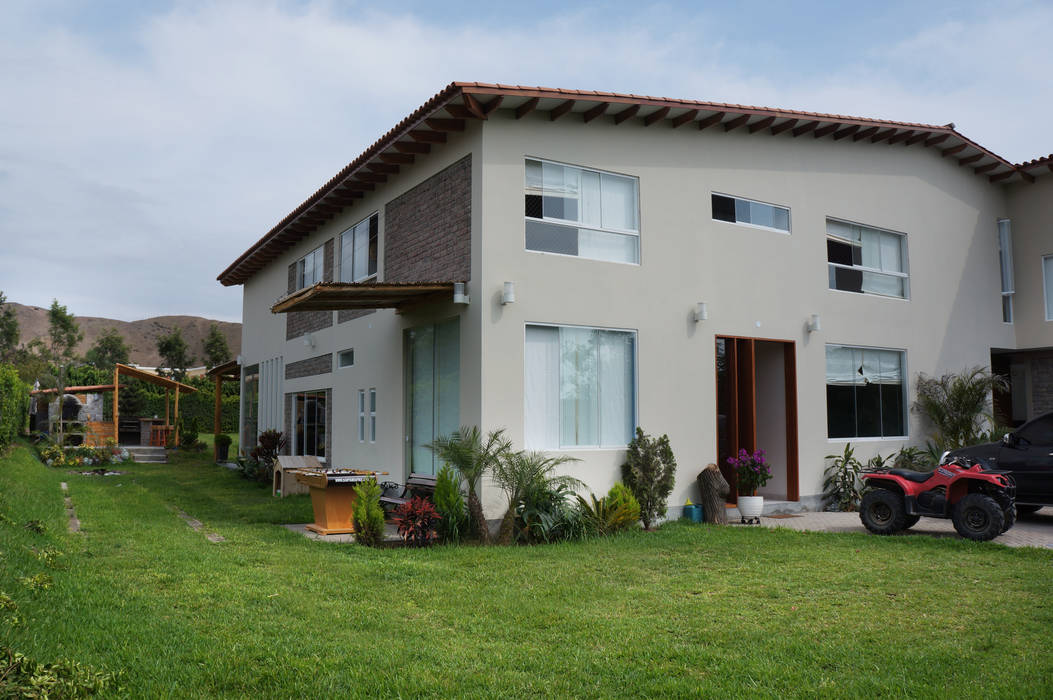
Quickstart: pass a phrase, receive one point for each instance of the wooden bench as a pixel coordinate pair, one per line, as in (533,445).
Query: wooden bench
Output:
(416,485)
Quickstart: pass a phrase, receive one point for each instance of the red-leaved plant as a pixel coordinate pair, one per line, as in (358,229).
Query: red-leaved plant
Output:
(417,520)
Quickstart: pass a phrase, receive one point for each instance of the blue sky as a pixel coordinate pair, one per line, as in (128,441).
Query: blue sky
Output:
(143,146)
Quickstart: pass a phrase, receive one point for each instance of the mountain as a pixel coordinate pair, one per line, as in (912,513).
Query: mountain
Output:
(140,336)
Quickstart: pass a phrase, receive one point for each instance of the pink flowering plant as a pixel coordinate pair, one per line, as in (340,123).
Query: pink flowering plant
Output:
(752,471)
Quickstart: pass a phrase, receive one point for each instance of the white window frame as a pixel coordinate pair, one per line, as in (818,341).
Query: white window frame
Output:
(635,389)
(861,268)
(318,267)
(1005,262)
(574,224)
(340,358)
(348,277)
(361,415)
(789,213)
(373,415)
(906,394)
(1047,283)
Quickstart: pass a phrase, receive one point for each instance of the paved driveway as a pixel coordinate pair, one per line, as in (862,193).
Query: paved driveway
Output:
(1029,531)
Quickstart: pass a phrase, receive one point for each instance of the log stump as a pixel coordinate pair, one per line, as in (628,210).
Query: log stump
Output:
(714,488)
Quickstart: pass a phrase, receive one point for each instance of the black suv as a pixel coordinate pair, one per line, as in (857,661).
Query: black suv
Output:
(1027,453)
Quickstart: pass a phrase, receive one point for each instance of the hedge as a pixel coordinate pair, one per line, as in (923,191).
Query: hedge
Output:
(13,401)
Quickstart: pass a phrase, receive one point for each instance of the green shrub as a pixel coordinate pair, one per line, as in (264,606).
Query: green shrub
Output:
(548,513)
(520,473)
(605,516)
(13,401)
(188,432)
(450,504)
(913,458)
(842,487)
(223,441)
(619,496)
(366,515)
(649,472)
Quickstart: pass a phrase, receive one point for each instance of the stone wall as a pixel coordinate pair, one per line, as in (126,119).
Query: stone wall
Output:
(298,323)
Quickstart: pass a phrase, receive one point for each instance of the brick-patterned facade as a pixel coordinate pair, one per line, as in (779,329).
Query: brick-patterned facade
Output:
(351,314)
(428,230)
(298,323)
(1042,385)
(322,364)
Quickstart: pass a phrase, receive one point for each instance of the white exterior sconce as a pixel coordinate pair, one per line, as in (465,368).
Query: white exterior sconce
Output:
(308,340)
(508,293)
(701,312)
(814,323)
(460,293)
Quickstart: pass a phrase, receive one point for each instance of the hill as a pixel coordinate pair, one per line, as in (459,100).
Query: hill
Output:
(140,336)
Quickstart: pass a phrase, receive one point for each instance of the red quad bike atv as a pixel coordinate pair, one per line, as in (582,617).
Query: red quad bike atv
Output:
(981,503)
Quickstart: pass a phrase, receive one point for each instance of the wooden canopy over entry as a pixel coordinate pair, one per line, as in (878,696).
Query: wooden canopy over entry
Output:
(337,296)
(226,372)
(168,384)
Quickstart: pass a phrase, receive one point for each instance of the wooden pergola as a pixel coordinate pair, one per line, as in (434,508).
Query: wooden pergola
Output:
(169,385)
(226,372)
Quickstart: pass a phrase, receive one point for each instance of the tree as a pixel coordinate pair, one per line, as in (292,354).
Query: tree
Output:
(108,350)
(175,353)
(465,451)
(8,331)
(956,405)
(649,472)
(63,336)
(216,349)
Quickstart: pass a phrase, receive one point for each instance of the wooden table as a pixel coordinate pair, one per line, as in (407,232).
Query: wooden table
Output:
(333,497)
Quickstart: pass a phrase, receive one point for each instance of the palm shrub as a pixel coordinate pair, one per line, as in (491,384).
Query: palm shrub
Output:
(955,404)
(517,473)
(450,504)
(548,514)
(620,496)
(467,452)
(842,487)
(367,516)
(649,472)
(618,510)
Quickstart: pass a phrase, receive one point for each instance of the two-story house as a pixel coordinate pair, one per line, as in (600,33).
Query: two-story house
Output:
(570,265)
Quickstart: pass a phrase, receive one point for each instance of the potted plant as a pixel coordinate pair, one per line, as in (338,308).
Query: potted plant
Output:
(752,472)
(222,447)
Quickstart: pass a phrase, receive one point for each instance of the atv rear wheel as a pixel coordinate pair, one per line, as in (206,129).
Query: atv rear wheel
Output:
(978,517)
(882,512)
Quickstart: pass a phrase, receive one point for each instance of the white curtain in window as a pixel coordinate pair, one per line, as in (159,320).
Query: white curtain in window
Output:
(843,366)
(1047,276)
(619,202)
(1005,255)
(578,390)
(617,414)
(615,247)
(591,211)
(361,264)
(891,252)
(541,426)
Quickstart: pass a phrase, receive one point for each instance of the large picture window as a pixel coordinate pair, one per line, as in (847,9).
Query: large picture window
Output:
(358,250)
(866,260)
(580,387)
(587,213)
(310,268)
(433,390)
(865,392)
(309,423)
(250,396)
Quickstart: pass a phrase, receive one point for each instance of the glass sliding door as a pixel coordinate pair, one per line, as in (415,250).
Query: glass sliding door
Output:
(433,390)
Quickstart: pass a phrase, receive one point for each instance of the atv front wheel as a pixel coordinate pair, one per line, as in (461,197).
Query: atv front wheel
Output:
(1008,517)
(978,517)
(882,512)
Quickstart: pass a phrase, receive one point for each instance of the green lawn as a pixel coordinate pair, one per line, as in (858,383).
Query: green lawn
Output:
(209,438)
(687,611)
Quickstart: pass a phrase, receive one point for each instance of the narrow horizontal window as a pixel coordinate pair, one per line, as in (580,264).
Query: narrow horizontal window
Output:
(866,260)
(737,210)
(346,358)
(581,212)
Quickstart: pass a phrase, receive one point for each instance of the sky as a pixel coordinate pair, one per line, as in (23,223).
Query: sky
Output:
(145,145)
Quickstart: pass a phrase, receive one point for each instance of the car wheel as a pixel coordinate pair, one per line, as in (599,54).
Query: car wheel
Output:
(978,517)
(1027,510)
(882,512)
(910,521)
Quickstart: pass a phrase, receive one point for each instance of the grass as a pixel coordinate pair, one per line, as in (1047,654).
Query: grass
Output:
(688,610)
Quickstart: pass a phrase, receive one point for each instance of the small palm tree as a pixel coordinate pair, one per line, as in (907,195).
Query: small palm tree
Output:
(467,452)
(955,404)
(519,473)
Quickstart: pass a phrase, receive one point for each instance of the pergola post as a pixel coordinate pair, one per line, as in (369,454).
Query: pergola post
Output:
(176,416)
(116,389)
(216,417)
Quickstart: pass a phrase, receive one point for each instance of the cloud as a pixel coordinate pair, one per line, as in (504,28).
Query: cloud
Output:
(143,156)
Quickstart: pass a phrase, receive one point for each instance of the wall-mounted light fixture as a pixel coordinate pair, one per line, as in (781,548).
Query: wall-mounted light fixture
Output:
(308,340)
(701,312)
(814,323)
(460,293)
(508,293)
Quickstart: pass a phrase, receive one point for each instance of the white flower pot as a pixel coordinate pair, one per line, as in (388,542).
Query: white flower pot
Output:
(750,508)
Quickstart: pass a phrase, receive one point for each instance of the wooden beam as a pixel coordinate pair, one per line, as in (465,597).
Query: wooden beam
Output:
(428,136)
(411,147)
(176,431)
(847,131)
(656,116)
(779,128)
(596,111)
(445,124)
(386,168)
(373,177)
(491,106)
(953,149)
(970,159)
(217,411)
(902,136)
(345,199)
(359,185)
(399,158)
(684,118)
(1001,176)
(459,112)
(920,136)
(824,130)
(804,128)
(561,109)
(473,106)
(865,133)
(1028,177)
(710,120)
(527,107)
(116,391)
(736,122)
(984,168)
(936,139)
(627,113)
(762,124)
(882,135)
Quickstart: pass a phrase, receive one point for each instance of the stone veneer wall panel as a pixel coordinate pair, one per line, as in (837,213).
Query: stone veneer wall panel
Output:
(298,323)
(428,230)
(322,364)
(345,315)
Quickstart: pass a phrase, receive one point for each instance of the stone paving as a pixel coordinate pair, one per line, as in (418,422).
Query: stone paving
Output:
(1029,531)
